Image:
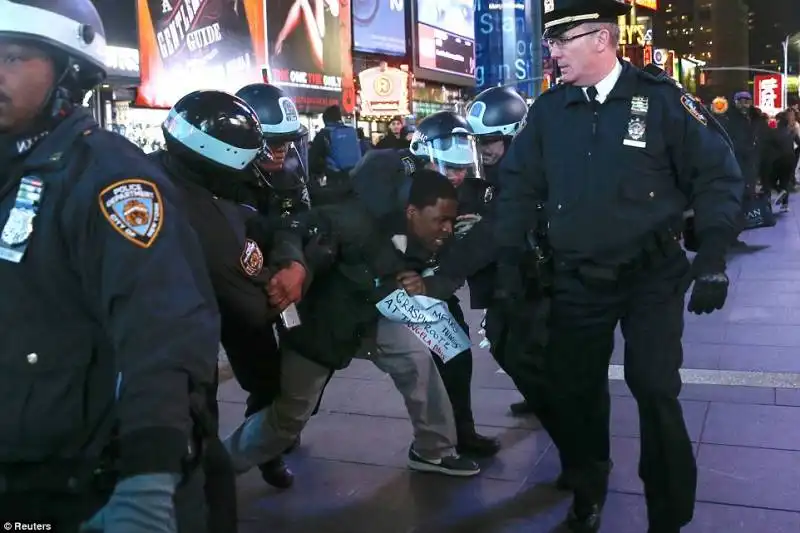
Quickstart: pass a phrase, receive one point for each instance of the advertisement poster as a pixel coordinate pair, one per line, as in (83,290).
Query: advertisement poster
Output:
(187,45)
(504,46)
(446,36)
(309,52)
(379,26)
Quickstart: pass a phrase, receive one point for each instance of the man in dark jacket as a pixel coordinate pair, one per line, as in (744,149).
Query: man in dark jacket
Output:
(338,320)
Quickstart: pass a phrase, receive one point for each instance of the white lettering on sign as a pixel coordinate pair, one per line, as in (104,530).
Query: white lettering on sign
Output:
(768,93)
(396,5)
(296,76)
(171,38)
(123,59)
(429,319)
(204,37)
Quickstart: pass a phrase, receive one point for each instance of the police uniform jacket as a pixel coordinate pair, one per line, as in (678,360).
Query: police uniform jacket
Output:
(612,174)
(109,316)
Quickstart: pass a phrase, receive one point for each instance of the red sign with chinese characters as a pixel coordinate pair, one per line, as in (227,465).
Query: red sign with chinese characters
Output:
(768,90)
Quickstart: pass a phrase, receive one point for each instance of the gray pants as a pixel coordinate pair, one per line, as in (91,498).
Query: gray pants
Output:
(266,434)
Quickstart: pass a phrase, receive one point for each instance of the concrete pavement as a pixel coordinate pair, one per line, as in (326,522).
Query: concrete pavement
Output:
(741,402)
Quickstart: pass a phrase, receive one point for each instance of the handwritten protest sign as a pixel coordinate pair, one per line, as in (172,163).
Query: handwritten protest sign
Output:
(429,319)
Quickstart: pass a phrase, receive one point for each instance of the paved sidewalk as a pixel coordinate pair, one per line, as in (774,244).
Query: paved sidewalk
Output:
(741,402)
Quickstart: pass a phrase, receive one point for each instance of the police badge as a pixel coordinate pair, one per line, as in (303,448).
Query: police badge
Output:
(18,227)
(636,135)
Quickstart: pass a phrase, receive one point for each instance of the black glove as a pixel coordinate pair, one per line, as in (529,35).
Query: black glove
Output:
(708,272)
(709,293)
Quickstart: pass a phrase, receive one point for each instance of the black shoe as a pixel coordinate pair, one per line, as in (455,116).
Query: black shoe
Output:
(475,445)
(277,473)
(588,521)
(566,480)
(522,408)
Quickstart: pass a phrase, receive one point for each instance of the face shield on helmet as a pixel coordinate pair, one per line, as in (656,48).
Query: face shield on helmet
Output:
(455,156)
(290,183)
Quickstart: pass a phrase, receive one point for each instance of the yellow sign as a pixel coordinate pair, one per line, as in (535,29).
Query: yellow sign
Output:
(638,34)
(384,92)
(648,4)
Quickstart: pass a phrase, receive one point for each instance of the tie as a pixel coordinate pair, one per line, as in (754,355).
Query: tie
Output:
(591,92)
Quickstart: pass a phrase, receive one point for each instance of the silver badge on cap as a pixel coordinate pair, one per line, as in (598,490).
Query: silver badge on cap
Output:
(549,6)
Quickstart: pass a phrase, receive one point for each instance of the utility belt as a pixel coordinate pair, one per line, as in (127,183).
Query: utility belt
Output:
(655,249)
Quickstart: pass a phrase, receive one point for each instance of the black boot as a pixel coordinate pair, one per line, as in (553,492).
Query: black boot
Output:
(585,521)
(475,445)
(277,473)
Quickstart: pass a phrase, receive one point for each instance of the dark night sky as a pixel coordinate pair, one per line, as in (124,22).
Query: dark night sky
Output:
(119,18)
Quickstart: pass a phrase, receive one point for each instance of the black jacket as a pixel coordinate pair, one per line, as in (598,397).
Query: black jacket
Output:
(112,312)
(606,196)
(744,132)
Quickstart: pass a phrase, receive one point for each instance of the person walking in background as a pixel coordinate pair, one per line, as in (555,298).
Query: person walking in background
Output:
(394,138)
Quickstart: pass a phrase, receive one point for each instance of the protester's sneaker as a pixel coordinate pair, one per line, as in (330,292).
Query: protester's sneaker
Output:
(785,208)
(452,465)
(780,198)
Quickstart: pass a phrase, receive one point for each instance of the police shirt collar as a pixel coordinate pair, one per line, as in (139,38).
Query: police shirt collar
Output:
(620,83)
(50,149)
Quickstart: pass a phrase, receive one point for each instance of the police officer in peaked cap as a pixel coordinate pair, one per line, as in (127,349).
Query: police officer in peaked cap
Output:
(616,154)
(115,331)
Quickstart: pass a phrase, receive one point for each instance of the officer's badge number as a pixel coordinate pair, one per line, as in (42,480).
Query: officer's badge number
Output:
(134,209)
(252,259)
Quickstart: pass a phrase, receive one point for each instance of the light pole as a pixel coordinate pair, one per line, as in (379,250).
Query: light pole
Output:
(785,92)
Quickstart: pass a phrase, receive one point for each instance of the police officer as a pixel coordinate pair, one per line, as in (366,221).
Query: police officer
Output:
(616,154)
(280,190)
(115,329)
(495,116)
(444,142)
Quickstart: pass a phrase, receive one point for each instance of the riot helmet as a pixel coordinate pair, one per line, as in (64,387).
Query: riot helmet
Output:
(497,112)
(496,115)
(70,32)
(214,130)
(280,122)
(446,141)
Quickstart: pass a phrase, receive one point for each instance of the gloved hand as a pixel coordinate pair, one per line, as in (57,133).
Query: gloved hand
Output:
(286,286)
(710,282)
(709,293)
(464,223)
(139,504)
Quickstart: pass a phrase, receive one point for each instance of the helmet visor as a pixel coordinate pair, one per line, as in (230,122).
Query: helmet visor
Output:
(456,157)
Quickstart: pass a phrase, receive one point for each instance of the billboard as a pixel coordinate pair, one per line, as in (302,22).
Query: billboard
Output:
(504,46)
(379,26)
(768,93)
(309,52)
(445,40)
(187,45)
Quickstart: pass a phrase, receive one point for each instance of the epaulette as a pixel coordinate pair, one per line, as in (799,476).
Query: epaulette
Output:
(655,73)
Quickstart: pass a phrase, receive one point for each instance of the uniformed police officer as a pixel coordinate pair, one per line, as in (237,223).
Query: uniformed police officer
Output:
(617,154)
(281,190)
(495,116)
(111,312)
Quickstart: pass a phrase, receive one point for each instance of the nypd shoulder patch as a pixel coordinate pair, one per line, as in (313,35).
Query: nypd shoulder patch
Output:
(134,209)
(252,259)
(693,107)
